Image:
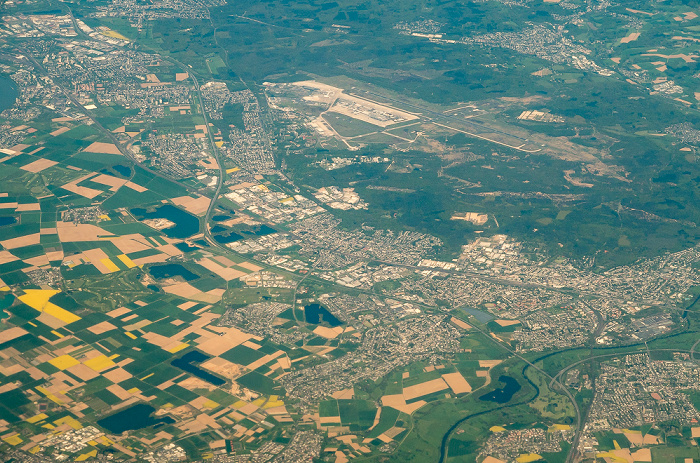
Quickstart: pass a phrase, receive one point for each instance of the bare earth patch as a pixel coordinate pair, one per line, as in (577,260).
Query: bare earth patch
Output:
(457,383)
(86,192)
(249,266)
(21,241)
(99,147)
(683,56)
(12,333)
(196,206)
(398,402)
(102,327)
(630,38)
(489,363)
(38,165)
(220,344)
(328,333)
(226,273)
(58,132)
(642,455)
(344,394)
(428,387)
(507,322)
(222,367)
(72,232)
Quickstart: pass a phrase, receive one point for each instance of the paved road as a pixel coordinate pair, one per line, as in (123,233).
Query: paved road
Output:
(219,161)
(692,350)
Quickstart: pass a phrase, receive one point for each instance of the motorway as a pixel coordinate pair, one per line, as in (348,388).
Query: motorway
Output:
(219,161)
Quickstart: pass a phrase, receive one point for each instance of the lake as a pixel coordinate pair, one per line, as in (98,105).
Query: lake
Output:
(8,92)
(135,417)
(125,171)
(186,363)
(185,224)
(317,314)
(225,235)
(184,247)
(170,270)
(230,238)
(7,220)
(5,303)
(504,394)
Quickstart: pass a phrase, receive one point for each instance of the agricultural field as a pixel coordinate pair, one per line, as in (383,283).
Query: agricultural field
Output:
(338,231)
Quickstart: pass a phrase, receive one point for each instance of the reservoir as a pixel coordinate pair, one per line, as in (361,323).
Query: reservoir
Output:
(185,224)
(8,92)
(135,417)
(186,363)
(317,314)
(503,395)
